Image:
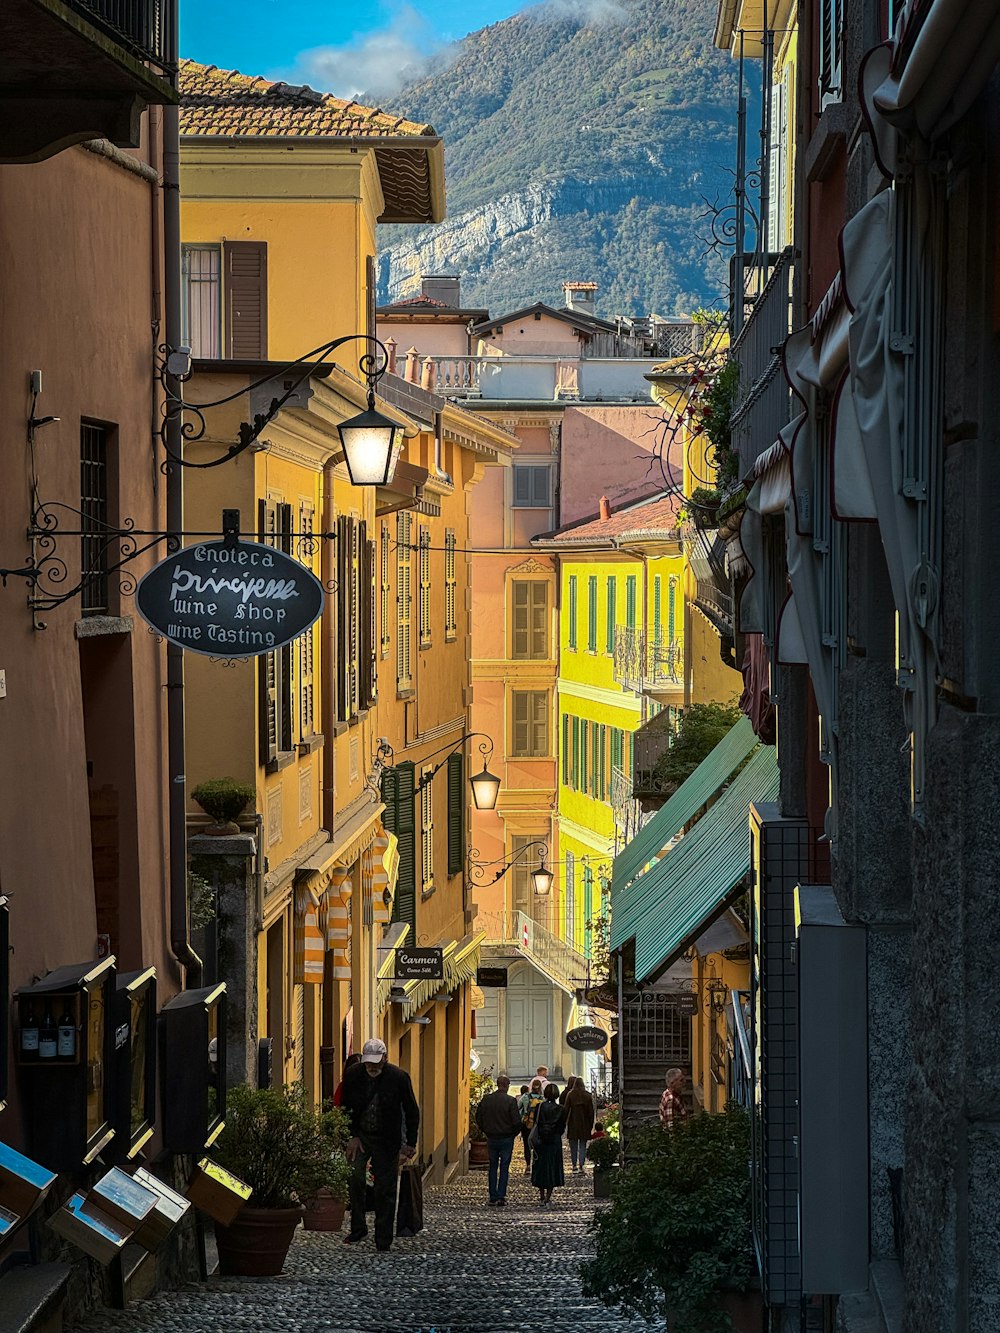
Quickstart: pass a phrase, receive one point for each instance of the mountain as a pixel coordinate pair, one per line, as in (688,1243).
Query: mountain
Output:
(581,139)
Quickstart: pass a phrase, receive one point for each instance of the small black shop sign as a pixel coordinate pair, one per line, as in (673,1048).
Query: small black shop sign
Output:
(586,1038)
(229,598)
(419,964)
(491,976)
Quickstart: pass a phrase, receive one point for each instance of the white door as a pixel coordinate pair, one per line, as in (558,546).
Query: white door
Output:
(529,1023)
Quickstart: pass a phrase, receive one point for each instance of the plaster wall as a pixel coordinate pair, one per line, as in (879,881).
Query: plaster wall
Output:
(431,337)
(532,336)
(607,451)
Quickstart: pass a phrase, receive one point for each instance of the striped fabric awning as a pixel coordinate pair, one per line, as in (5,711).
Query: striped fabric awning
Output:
(337,922)
(309,944)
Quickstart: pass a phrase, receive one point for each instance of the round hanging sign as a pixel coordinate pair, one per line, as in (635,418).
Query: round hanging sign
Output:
(229,599)
(586,1038)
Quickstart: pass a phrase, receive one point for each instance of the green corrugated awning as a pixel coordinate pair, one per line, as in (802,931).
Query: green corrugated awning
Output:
(688,888)
(687,800)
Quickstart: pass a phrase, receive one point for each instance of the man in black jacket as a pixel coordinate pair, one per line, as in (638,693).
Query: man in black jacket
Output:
(500,1120)
(378,1097)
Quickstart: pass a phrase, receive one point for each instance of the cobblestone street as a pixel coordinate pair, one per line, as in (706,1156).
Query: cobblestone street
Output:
(473,1269)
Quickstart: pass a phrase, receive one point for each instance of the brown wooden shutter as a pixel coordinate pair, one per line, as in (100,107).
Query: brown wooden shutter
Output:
(245,284)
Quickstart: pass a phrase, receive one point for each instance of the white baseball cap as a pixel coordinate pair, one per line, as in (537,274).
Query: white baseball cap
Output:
(373,1051)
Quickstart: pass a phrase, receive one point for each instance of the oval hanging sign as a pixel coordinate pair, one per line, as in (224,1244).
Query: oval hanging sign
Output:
(586,1038)
(229,599)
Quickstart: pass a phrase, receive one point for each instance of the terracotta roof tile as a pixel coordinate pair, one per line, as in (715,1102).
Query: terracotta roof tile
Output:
(656,514)
(224,102)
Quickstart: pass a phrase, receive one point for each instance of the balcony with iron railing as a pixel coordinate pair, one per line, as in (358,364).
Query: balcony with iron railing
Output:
(82,69)
(649,744)
(764,402)
(647,663)
(627,811)
(563,964)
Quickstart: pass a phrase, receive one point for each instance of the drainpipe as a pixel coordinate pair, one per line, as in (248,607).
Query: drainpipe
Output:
(180,938)
(329,653)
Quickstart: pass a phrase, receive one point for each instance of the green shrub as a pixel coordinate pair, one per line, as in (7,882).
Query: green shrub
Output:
(224,799)
(282,1146)
(699,731)
(603,1152)
(480,1086)
(677,1233)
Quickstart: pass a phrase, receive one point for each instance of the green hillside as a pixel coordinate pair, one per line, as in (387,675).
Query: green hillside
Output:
(576,150)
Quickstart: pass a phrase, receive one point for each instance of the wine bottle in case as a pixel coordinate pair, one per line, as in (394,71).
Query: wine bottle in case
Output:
(48,1036)
(29,1032)
(66,1039)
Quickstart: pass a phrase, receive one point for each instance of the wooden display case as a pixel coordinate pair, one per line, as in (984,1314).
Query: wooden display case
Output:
(134,1069)
(193,1069)
(69,1090)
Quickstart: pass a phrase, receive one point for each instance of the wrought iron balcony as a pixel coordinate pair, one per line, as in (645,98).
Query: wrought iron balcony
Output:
(649,744)
(765,398)
(557,958)
(647,664)
(626,809)
(141,26)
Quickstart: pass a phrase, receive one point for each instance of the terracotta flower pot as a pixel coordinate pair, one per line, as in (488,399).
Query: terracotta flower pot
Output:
(324,1213)
(257,1243)
(479,1152)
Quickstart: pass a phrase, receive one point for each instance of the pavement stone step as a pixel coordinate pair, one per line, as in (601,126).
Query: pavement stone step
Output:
(473,1269)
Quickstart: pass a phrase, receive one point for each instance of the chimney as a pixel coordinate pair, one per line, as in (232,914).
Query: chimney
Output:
(605,509)
(580,296)
(442,288)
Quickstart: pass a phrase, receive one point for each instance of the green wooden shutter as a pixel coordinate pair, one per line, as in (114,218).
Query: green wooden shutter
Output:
(592,614)
(572,611)
(405,905)
(672,609)
(588,909)
(612,613)
(389,799)
(565,749)
(657,610)
(630,601)
(456,813)
(576,754)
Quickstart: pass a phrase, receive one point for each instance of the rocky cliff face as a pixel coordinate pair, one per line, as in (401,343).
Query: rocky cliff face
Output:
(576,150)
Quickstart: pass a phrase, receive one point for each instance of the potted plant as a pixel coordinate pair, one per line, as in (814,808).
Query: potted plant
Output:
(480,1085)
(224,800)
(324,1211)
(604,1154)
(675,1242)
(275,1141)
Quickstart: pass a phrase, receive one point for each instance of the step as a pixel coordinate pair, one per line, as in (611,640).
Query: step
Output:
(31,1298)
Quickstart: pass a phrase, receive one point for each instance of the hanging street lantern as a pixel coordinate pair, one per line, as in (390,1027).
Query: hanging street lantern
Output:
(372,445)
(485,789)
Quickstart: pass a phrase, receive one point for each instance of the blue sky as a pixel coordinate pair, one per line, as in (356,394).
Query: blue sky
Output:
(339,46)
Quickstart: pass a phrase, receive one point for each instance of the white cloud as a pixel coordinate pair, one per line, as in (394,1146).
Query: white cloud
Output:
(584,11)
(378,63)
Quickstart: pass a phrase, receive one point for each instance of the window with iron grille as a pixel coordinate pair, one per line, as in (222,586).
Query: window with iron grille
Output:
(427,833)
(404,601)
(532,485)
(529,723)
(274,670)
(307,642)
(424,575)
(201,313)
(385,590)
(831,43)
(529,619)
(450,587)
(94,545)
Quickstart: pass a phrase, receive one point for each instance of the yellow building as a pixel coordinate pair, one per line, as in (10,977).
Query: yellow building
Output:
(359,844)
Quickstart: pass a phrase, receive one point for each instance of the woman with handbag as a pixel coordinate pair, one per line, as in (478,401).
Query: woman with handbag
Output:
(528,1104)
(580,1112)
(546,1140)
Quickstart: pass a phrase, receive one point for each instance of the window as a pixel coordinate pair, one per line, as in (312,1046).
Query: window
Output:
(630,601)
(356,677)
(450,587)
(595,760)
(94,545)
(201,314)
(245,284)
(572,612)
(529,620)
(612,612)
(576,754)
(385,590)
(307,641)
(672,609)
(529,723)
(777,168)
(617,747)
(427,832)
(424,579)
(566,766)
(592,614)
(584,742)
(657,610)
(456,813)
(588,909)
(404,600)
(570,898)
(831,29)
(398,788)
(274,670)
(532,486)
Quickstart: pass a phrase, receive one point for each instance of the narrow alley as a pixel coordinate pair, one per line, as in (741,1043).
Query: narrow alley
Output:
(473,1269)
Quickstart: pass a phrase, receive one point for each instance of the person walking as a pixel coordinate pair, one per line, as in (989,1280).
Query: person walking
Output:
(547,1165)
(499,1119)
(580,1113)
(529,1110)
(351,1061)
(378,1098)
(566,1090)
(672,1108)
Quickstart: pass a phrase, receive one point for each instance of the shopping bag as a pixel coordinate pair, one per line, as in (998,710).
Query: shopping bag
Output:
(410,1209)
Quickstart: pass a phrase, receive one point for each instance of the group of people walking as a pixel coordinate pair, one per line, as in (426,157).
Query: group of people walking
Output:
(542,1115)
